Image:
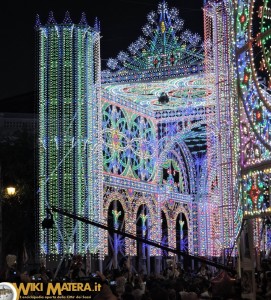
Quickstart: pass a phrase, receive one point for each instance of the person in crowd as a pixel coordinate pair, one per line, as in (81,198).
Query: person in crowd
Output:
(128,292)
(207,292)
(11,273)
(121,279)
(139,288)
(203,271)
(43,275)
(106,292)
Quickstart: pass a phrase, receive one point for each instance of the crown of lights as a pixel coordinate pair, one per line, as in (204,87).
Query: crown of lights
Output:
(164,44)
(67,21)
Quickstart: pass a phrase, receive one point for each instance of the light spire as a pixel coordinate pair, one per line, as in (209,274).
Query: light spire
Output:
(38,22)
(97,25)
(67,18)
(51,19)
(83,20)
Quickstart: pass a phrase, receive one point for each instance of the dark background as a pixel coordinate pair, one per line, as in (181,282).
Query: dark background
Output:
(121,22)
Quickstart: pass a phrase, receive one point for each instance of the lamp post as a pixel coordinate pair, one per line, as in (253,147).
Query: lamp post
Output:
(1,231)
(10,191)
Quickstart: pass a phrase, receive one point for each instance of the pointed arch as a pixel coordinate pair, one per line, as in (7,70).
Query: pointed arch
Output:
(114,195)
(187,214)
(182,242)
(187,156)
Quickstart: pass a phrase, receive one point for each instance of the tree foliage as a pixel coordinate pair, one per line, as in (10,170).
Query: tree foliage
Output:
(17,163)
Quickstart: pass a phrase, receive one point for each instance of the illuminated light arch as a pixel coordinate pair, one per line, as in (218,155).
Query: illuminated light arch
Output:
(186,130)
(115,243)
(114,196)
(173,220)
(155,232)
(183,240)
(185,153)
(144,200)
(183,209)
(174,156)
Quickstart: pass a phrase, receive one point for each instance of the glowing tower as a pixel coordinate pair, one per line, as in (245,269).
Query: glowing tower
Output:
(69,132)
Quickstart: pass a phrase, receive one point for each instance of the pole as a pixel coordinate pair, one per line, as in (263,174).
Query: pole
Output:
(1,236)
(142,240)
(1,223)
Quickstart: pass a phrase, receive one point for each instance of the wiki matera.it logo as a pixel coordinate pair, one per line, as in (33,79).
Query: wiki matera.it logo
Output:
(7,291)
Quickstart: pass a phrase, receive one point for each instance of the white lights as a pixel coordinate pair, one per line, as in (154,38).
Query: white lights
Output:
(11,191)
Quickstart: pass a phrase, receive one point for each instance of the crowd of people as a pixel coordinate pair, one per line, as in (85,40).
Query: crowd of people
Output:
(174,283)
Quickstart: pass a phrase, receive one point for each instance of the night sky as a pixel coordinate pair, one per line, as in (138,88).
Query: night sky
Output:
(121,22)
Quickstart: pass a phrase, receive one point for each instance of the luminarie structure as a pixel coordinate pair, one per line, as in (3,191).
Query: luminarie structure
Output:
(141,146)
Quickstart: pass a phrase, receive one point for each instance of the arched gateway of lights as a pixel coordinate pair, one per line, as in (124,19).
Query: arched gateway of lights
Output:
(152,145)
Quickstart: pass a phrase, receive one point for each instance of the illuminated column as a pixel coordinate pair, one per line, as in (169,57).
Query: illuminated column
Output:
(206,209)
(69,133)
(222,135)
(171,234)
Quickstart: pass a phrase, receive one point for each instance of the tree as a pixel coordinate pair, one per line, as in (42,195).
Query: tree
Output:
(17,161)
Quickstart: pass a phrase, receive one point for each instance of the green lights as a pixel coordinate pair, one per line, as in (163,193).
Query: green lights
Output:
(69,75)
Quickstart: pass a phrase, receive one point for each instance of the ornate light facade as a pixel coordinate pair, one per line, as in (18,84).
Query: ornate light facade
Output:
(146,145)
(252,25)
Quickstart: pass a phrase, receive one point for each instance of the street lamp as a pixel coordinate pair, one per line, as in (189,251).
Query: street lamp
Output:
(11,191)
